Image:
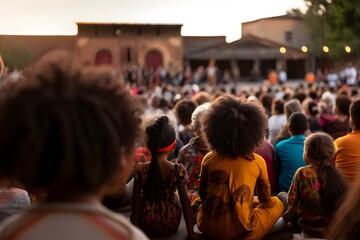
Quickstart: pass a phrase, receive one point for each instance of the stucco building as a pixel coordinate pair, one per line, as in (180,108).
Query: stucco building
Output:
(267,44)
(123,45)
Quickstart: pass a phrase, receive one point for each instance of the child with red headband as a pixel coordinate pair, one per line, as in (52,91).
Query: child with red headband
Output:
(157,209)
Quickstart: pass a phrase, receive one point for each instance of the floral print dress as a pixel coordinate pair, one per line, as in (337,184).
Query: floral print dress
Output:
(162,218)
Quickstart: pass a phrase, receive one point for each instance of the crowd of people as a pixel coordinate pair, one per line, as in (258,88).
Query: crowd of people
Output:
(80,143)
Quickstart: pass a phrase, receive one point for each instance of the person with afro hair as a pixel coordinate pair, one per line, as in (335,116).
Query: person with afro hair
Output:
(231,174)
(70,132)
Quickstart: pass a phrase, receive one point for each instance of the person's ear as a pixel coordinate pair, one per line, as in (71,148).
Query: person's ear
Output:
(289,128)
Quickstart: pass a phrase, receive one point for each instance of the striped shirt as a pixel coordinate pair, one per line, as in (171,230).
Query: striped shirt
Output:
(57,221)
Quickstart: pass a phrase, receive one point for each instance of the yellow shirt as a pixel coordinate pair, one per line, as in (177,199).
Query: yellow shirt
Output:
(347,157)
(227,189)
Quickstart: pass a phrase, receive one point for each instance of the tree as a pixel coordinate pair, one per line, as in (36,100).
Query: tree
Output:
(316,23)
(335,23)
(343,19)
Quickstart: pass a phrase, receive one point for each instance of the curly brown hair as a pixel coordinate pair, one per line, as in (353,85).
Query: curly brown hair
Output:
(233,128)
(66,129)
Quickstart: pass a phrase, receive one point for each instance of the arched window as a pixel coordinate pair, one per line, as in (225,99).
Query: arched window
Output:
(153,59)
(103,57)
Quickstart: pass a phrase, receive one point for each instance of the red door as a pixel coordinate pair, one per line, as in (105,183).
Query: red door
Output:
(103,57)
(153,59)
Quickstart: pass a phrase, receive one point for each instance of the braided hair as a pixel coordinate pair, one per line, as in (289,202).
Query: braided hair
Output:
(319,151)
(160,134)
(65,129)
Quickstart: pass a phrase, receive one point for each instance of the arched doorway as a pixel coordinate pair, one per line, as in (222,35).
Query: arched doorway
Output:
(153,59)
(103,57)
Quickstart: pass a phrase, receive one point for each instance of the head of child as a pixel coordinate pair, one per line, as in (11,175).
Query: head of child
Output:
(318,149)
(291,107)
(298,124)
(161,141)
(318,152)
(355,115)
(183,110)
(233,128)
(67,130)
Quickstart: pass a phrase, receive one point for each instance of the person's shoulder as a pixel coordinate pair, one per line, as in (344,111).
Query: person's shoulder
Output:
(139,167)
(281,144)
(14,224)
(185,148)
(343,139)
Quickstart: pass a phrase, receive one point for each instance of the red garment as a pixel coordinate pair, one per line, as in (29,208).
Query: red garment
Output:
(266,150)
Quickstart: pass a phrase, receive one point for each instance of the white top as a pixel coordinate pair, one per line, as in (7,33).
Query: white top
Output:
(274,123)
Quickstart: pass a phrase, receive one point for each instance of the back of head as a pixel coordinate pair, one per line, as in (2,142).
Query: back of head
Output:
(201,97)
(298,123)
(292,106)
(313,108)
(355,114)
(342,103)
(183,110)
(161,138)
(319,151)
(233,128)
(160,134)
(278,106)
(64,129)
(197,114)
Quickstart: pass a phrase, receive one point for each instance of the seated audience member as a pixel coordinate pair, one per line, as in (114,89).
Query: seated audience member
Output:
(289,152)
(338,125)
(70,132)
(313,117)
(183,110)
(277,119)
(231,172)
(317,189)
(193,153)
(347,157)
(290,107)
(266,150)
(157,209)
(345,224)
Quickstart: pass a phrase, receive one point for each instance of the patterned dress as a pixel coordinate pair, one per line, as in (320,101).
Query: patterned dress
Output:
(304,196)
(162,218)
(191,156)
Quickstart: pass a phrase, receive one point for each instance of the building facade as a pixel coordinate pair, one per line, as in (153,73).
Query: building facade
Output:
(267,44)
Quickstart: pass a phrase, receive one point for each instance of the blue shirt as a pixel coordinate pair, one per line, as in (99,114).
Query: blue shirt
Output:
(288,158)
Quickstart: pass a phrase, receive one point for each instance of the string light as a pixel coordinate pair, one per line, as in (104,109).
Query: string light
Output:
(347,49)
(304,49)
(283,50)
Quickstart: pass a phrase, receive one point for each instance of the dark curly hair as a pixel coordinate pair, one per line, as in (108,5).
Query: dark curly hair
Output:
(160,134)
(183,110)
(65,129)
(233,128)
